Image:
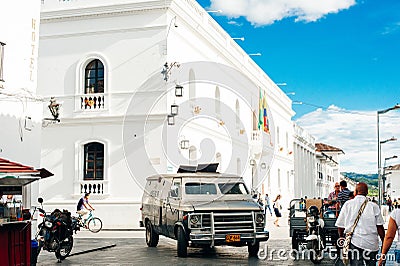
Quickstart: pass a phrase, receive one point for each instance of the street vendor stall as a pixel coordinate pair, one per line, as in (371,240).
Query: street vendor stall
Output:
(15,225)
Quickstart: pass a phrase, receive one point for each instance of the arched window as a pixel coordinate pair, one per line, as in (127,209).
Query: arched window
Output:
(93,161)
(94,77)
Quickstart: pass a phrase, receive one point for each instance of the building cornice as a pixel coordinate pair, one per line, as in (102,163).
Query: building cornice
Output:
(65,14)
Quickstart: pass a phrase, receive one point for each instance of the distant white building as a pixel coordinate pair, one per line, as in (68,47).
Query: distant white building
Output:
(327,168)
(304,163)
(116,67)
(392,183)
(20,108)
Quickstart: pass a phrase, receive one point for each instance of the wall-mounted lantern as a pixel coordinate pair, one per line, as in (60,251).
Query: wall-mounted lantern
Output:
(184,144)
(171,120)
(174,109)
(54,108)
(178,90)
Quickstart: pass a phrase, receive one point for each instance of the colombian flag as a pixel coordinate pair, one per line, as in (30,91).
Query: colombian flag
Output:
(263,123)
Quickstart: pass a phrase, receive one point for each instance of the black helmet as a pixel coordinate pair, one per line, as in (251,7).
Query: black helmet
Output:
(313,211)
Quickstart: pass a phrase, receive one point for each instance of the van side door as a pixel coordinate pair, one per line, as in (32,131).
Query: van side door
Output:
(172,209)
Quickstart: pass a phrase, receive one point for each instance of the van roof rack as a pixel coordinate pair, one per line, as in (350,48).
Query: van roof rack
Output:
(187,169)
(204,168)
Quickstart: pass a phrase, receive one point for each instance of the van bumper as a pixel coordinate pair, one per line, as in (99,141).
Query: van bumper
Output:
(220,239)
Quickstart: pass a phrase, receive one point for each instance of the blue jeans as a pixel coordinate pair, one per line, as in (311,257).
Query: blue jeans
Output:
(265,209)
(358,256)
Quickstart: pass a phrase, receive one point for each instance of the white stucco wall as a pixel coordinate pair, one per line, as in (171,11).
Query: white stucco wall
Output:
(134,40)
(20,107)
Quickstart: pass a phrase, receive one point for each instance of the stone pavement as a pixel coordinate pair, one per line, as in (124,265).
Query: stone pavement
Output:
(131,249)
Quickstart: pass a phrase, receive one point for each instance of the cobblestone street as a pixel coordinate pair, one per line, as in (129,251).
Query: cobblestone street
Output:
(131,249)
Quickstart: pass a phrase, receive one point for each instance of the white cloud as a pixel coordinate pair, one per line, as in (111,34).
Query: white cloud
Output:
(355,132)
(235,23)
(264,12)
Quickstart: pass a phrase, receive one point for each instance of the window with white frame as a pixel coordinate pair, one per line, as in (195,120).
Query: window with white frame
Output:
(1,60)
(94,77)
(93,161)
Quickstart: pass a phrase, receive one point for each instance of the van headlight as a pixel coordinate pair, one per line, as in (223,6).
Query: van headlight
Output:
(259,218)
(195,220)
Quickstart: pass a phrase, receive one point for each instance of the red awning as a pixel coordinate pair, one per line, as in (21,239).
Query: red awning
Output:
(17,174)
(7,166)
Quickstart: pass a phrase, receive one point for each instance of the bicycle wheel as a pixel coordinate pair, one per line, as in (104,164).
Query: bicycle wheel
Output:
(95,225)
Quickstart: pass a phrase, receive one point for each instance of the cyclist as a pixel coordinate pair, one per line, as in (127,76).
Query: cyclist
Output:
(83,205)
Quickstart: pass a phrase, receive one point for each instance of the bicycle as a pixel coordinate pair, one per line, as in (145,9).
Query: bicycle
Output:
(92,223)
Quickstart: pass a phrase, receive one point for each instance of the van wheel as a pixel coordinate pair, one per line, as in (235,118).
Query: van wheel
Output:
(182,243)
(253,249)
(151,236)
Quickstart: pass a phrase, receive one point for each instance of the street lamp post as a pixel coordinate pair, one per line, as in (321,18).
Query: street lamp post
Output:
(379,112)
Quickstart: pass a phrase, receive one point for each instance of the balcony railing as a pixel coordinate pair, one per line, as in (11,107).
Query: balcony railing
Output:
(94,101)
(256,135)
(256,141)
(95,187)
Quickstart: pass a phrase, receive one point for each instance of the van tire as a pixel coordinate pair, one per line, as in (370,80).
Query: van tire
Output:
(182,243)
(151,236)
(253,249)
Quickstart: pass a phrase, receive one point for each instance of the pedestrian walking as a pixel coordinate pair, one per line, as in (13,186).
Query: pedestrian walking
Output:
(364,245)
(393,227)
(344,194)
(389,204)
(277,209)
(267,205)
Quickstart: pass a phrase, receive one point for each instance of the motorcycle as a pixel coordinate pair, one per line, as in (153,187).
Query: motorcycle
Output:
(55,232)
(315,238)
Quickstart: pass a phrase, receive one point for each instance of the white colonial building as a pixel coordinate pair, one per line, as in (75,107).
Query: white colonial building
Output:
(392,181)
(118,68)
(327,168)
(304,163)
(20,107)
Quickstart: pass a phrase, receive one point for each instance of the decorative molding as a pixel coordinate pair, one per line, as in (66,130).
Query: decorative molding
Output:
(101,11)
(88,33)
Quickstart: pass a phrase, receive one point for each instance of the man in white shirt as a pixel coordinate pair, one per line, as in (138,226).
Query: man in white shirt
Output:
(364,242)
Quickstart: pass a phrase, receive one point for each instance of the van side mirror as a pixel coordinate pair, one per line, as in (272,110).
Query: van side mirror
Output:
(173,193)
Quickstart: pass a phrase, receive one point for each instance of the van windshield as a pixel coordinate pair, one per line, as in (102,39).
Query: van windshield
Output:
(200,188)
(233,188)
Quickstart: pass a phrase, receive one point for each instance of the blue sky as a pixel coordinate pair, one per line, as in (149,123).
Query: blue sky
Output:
(350,58)
(339,53)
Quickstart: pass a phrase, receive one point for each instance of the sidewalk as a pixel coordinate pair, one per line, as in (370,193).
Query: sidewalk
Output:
(137,233)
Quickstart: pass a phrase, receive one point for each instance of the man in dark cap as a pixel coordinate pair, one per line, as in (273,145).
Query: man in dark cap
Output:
(344,194)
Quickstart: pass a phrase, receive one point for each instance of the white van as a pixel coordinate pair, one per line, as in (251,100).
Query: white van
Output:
(200,207)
